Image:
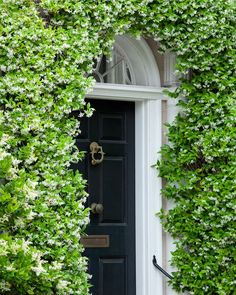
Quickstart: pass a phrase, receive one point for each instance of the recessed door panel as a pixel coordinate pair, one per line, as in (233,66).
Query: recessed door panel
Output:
(113,194)
(112,276)
(112,127)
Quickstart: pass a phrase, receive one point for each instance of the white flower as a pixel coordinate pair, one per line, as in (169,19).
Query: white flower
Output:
(10,267)
(31,215)
(3,68)
(15,162)
(36,256)
(31,193)
(19,222)
(12,173)
(4,218)
(4,286)
(31,159)
(3,252)
(3,243)
(10,53)
(65,45)
(25,246)
(56,265)
(4,139)
(15,248)
(33,184)
(38,269)
(51,242)
(3,154)
(62,284)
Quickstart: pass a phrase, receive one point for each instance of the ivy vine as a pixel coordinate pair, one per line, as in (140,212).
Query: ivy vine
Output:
(47,51)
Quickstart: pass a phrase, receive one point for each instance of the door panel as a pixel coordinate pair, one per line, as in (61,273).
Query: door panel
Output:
(113,275)
(111,183)
(113,168)
(112,127)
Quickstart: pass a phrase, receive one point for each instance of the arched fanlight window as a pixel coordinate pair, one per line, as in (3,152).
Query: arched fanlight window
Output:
(131,63)
(115,69)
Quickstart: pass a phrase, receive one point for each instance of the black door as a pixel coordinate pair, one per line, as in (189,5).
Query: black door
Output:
(111,187)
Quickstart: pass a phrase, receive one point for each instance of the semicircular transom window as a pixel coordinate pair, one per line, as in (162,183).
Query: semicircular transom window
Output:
(115,69)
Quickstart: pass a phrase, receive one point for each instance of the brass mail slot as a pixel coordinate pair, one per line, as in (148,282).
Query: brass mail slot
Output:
(96,241)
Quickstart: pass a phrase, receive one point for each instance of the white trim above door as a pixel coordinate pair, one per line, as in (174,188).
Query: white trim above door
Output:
(127,92)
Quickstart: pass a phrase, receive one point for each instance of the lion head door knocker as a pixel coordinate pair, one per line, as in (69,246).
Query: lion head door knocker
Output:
(96,153)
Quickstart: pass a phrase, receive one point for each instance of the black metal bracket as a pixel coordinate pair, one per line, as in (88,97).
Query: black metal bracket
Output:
(154,261)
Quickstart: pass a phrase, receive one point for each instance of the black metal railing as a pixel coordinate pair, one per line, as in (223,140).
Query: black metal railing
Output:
(154,261)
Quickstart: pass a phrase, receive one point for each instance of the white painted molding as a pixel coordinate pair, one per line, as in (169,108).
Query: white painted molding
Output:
(127,92)
(148,137)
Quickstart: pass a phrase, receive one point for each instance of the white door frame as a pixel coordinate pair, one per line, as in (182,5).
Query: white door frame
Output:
(148,141)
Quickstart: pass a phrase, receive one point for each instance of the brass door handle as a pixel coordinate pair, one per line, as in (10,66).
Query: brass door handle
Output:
(96,149)
(96,208)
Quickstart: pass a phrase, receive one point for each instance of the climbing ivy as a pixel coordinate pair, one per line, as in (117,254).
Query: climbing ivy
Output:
(47,52)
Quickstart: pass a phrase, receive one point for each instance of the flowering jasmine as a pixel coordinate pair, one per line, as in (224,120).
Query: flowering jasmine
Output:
(44,69)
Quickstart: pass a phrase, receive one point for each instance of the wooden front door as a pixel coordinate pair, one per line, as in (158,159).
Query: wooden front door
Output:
(111,185)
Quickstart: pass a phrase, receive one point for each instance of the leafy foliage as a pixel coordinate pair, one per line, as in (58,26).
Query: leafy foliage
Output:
(47,51)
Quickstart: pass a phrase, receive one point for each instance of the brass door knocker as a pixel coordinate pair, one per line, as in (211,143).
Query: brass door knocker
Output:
(96,149)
